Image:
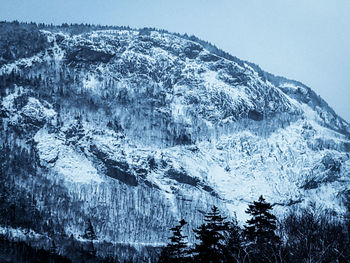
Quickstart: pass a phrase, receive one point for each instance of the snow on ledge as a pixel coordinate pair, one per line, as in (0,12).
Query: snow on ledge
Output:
(64,160)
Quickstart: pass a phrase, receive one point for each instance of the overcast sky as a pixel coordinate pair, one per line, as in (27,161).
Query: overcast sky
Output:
(306,40)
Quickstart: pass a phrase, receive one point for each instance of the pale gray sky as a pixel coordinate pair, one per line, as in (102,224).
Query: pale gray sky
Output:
(306,40)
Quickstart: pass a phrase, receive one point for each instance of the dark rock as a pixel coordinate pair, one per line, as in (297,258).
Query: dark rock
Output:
(119,171)
(312,184)
(152,163)
(115,169)
(141,172)
(84,54)
(255,115)
(151,185)
(192,50)
(210,190)
(209,58)
(331,164)
(182,177)
(4,113)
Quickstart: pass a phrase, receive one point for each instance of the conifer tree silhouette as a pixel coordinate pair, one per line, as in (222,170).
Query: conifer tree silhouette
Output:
(176,250)
(211,247)
(260,231)
(91,236)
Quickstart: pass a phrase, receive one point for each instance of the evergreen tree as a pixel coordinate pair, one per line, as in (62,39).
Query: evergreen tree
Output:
(176,250)
(261,227)
(53,248)
(260,232)
(89,232)
(211,236)
(234,241)
(91,236)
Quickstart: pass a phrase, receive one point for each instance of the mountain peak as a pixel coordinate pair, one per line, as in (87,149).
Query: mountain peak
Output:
(149,125)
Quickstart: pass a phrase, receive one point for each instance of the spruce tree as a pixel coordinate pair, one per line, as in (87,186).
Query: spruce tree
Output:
(234,241)
(53,248)
(91,236)
(211,236)
(176,250)
(89,232)
(260,231)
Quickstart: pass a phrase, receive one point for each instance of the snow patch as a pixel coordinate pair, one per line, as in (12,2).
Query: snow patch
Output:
(73,166)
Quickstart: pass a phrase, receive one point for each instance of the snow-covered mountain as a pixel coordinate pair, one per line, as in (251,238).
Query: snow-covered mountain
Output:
(135,129)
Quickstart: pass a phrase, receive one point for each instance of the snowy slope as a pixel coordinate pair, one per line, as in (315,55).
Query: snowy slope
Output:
(143,129)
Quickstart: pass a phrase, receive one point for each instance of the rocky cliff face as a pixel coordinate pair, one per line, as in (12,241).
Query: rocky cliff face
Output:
(135,129)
